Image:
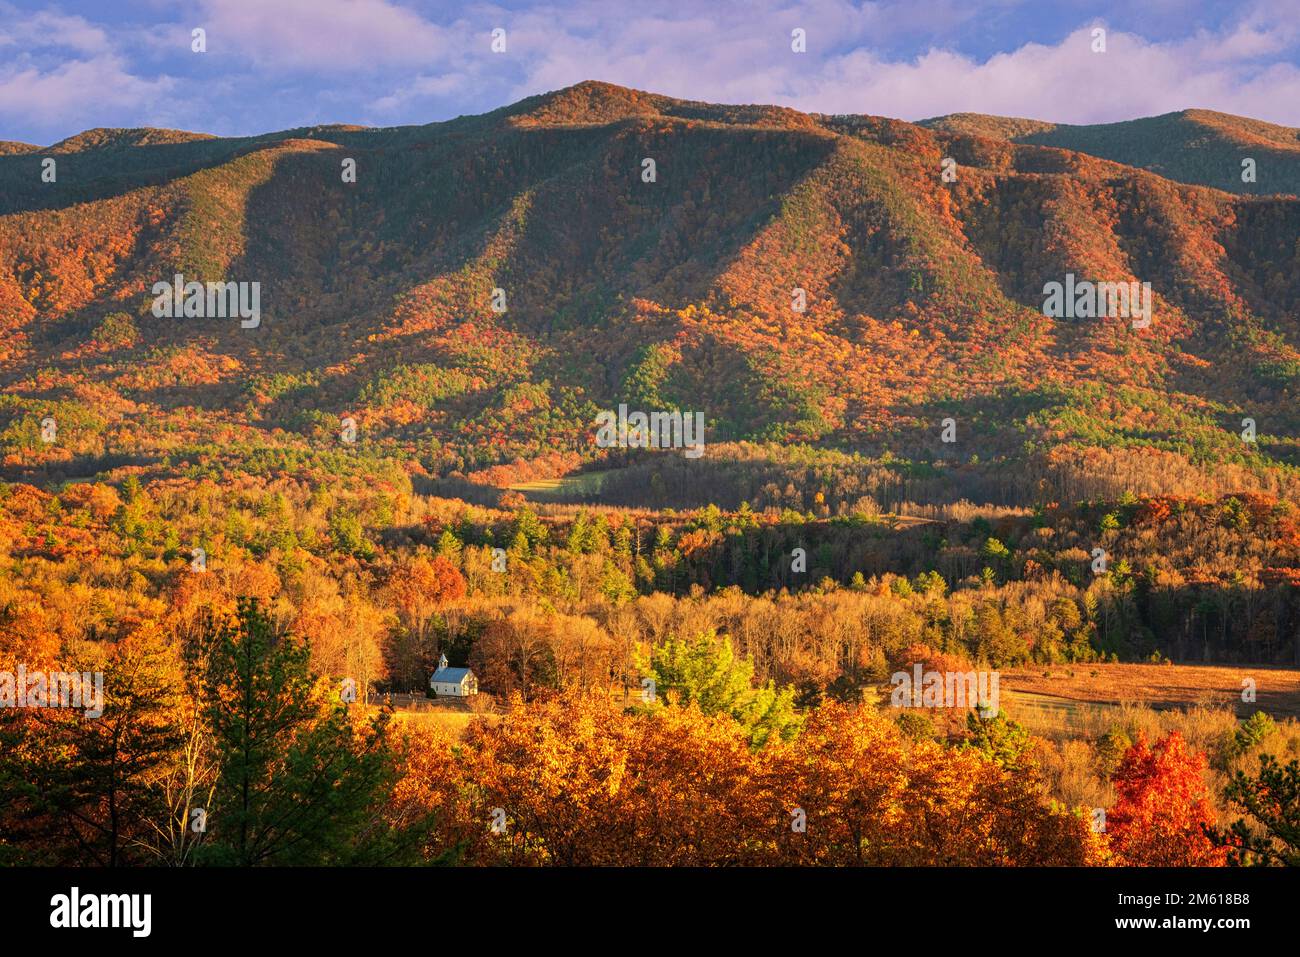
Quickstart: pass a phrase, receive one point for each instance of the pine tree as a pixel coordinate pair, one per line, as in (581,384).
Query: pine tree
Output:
(1270,832)
(297,780)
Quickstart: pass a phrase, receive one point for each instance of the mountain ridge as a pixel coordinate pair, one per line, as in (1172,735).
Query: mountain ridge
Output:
(1196,146)
(923,297)
(595,103)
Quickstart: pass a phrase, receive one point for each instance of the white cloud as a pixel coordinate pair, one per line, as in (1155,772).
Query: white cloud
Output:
(320,34)
(59,71)
(44,29)
(399,62)
(1064,82)
(75,91)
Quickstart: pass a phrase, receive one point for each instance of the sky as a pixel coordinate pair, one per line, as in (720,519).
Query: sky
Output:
(277,64)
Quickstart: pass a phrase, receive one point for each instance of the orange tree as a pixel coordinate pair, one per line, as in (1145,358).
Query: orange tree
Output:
(576,780)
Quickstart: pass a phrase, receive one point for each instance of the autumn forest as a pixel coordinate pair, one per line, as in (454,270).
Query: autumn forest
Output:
(273,520)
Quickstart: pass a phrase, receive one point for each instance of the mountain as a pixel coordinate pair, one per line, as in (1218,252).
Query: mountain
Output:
(1192,146)
(924,298)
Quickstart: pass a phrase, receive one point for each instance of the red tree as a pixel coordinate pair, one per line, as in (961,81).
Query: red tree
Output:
(1163,810)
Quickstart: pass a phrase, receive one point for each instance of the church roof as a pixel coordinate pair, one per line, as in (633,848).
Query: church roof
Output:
(451,675)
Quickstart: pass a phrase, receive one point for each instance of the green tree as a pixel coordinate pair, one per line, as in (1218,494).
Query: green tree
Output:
(1253,731)
(348,536)
(706,671)
(297,781)
(527,524)
(449,547)
(1003,740)
(1269,833)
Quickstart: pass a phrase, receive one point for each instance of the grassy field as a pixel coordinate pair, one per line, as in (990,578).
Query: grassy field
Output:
(1277,690)
(451,714)
(578,485)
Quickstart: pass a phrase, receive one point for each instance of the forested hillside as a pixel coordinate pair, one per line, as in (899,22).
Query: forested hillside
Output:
(905,459)
(1191,146)
(923,297)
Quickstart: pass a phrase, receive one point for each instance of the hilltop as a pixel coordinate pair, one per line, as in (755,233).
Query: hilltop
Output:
(1191,146)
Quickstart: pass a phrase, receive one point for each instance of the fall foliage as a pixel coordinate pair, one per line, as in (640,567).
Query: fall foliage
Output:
(183,511)
(1163,816)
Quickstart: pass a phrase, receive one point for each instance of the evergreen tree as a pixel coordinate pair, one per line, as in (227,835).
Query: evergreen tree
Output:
(297,780)
(1270,831)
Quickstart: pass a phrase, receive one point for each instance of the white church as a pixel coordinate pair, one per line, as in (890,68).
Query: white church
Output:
(453,682)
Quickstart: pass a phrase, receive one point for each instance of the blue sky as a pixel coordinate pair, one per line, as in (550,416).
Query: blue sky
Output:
(275,64)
